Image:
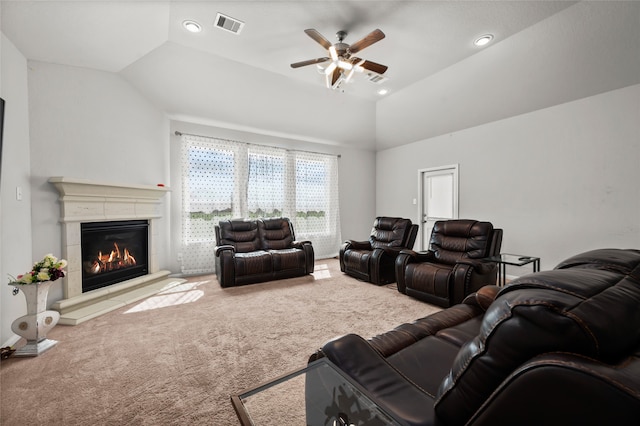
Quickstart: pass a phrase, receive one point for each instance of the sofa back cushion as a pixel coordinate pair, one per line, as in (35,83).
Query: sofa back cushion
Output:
(275,234)
(390,232)
(590,310)
(455,240)
(241,234)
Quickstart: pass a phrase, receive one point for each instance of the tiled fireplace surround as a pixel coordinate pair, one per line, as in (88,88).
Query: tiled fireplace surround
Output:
(86,201)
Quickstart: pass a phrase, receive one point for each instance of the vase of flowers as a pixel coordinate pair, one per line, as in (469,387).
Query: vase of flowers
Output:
(38,321)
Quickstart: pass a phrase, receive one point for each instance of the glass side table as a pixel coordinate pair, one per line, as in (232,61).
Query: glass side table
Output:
(505,259)
(319,394)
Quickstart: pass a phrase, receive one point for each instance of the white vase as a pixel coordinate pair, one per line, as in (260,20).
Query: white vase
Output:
(38,322)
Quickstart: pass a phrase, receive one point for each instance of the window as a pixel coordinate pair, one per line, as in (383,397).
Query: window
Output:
(266,184)
(222,180)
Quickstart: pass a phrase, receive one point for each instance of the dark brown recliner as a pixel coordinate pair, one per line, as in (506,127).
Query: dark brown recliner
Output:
(558,347)
(452,268)
(373,260)
(251,251)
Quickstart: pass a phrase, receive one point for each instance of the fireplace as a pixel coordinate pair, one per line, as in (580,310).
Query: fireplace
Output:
(84,202)
(113,252)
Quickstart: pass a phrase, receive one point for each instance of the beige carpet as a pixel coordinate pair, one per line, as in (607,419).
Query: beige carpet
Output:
(176,357)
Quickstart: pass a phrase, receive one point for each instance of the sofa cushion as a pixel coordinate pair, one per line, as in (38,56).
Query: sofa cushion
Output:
(241,234)
(440,349)
(389,232)
(284,259)
(253,263)
(565,310)
(275,234)
(456,240)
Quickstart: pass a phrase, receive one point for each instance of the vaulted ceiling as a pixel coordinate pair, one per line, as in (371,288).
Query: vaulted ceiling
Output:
(185,73)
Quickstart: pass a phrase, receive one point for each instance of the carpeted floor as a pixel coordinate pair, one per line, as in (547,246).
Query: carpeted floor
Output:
(176,357)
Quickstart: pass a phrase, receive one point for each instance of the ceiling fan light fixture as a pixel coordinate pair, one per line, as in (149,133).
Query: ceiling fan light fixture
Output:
(342,65)
(192,26)
(483,40)
(345,65)
(333,53)
(329,70)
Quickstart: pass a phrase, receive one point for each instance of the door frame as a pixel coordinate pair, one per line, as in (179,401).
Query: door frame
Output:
(453,168)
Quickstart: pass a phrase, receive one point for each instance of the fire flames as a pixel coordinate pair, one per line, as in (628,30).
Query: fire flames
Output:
(116,259)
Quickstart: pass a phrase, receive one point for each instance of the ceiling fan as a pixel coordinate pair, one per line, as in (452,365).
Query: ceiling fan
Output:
(343,65)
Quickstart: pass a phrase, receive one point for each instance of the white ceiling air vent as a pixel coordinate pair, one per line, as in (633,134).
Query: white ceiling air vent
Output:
(376,78)
(228,23)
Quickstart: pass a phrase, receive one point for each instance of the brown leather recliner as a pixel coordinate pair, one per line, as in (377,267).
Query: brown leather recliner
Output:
(558,347)
(373,260)
(452,268)
(251,251)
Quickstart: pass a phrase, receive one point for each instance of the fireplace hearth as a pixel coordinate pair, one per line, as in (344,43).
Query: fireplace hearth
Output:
(113,252)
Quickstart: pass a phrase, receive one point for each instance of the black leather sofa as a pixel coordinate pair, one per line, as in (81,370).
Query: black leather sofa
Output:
(251,251)
(559,347)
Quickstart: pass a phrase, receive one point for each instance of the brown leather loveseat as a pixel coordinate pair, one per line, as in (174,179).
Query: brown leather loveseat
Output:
(559,347)
(251,251)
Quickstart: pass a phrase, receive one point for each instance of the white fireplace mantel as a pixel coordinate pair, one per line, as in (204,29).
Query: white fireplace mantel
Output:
(84,201)
(88,201)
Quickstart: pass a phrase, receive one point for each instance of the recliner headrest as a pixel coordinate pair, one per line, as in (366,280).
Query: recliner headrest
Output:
(390,232)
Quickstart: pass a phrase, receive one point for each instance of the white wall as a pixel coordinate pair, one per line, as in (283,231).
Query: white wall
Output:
(91,125)
(356,178)
(234,93)
(559,181)
(15,219)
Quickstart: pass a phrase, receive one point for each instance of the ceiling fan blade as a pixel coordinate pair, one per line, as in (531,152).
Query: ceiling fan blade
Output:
(372,66)
(373,37)
(318,38)
(309,62)
(335,76)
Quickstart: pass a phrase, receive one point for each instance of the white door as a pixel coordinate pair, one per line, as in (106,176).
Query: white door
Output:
(439,198)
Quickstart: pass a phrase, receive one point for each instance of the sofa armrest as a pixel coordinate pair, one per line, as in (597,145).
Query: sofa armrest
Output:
(225,267)
(351,244)
(220,249)
(565,384)
(357,245)
(406,257)
(300,244)
(309,255)
(480,265)
(417,256)
(470,275)
(389,388)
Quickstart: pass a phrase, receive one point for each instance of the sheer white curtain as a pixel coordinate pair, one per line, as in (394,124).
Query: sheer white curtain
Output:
(224,179)
(317,210)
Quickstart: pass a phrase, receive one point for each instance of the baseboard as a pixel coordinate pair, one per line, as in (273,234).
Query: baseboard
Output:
(12,341)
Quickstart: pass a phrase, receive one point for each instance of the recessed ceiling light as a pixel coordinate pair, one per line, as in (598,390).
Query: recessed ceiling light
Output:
(192,26)
(383,92)
(483,40)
